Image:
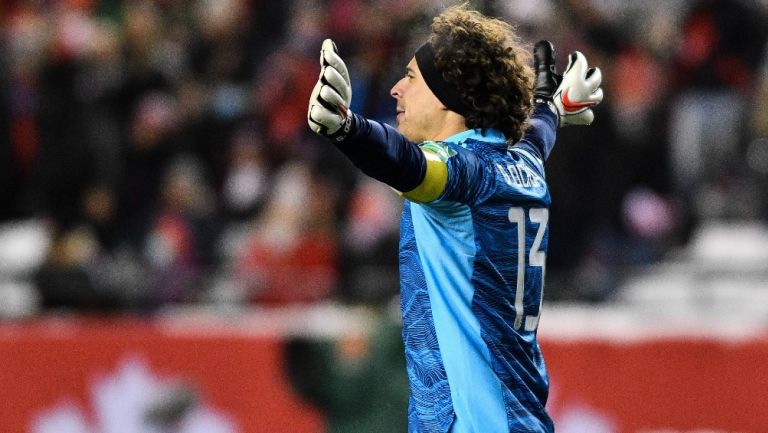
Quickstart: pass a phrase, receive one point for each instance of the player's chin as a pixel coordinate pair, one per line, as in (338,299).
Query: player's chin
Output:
(402,128)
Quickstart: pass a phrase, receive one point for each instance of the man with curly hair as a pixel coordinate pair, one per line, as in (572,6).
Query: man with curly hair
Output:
(475,125)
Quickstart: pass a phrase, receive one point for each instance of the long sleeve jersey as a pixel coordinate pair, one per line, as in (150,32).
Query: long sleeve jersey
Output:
(472,268)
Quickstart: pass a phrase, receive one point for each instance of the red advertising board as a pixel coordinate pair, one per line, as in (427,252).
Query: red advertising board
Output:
(665,385)
(96,376)
(91,375)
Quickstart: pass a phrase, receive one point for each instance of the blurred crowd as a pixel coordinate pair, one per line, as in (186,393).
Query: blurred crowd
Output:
(162,148)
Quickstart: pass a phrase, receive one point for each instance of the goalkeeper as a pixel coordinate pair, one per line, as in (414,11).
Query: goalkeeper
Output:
(475,125)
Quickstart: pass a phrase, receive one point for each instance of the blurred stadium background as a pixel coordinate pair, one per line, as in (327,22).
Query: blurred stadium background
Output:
(178,253)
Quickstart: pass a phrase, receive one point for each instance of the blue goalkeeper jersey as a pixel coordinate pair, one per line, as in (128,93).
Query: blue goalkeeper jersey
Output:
(472,267)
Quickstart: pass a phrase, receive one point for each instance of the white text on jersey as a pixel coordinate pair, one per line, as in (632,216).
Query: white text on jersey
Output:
(519,175)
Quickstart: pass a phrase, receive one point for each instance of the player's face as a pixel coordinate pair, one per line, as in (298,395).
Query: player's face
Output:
(419,113)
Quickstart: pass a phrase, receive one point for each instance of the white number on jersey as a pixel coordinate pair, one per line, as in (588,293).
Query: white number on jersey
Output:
(539,216)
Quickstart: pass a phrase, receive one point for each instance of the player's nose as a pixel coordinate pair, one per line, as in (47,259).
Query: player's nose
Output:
(397,90)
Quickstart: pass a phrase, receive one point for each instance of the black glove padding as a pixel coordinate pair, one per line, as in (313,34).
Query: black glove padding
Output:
(547,79)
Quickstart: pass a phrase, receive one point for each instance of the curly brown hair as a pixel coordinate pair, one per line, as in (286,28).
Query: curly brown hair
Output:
(485,60)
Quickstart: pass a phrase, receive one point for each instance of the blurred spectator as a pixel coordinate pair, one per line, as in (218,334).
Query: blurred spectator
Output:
(64,279)
(282,96)
(291,255)
(99,99)
(714,71)
(669,130)
(179,244)
(369,261)
(151,148)
(79,275)
(247,176)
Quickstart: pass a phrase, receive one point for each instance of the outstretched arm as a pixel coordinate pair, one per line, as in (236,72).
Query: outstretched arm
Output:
(540,136)
(420,172)
(383,153)
(377,149)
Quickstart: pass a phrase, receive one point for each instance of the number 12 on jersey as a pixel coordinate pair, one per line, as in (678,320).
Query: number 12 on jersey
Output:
(539,216)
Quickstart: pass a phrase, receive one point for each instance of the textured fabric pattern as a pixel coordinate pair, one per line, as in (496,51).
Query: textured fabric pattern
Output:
(497,186)
(429,408)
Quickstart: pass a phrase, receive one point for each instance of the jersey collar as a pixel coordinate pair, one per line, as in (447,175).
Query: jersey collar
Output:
(490,136)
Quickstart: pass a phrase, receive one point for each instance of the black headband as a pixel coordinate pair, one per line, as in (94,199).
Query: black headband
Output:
(445,92)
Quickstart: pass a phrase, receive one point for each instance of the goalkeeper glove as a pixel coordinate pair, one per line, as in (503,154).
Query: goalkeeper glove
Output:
(328,114)
(572,95)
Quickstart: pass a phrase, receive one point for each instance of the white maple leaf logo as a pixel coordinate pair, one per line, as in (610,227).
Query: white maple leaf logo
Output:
(134,400)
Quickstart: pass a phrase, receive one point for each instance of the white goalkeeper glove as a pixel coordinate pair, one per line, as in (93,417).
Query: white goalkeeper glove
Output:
(328,113)
(578,92)
(572,95)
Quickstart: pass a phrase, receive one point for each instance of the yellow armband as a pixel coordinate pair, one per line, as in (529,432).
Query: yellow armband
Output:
(436,176)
